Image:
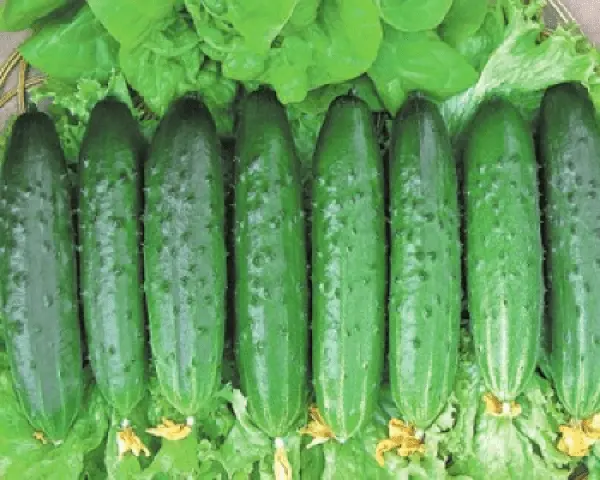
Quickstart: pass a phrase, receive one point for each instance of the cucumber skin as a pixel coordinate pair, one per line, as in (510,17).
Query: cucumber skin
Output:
(110,205)
(39,287)
(570,148)
(425,265)
(504,251)
(185,256)
(349,267)
(271,295)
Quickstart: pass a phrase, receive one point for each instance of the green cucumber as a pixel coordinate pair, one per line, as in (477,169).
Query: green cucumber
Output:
(425,281)
(271,295)
(570,148)
(110,205)
(185,256)
(504,250)
(348,267)
(39,279)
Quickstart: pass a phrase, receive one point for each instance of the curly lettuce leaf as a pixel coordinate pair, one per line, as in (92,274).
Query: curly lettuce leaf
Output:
(259,22)
(246,449)
(216,35)
(165,66)
(321,44)
(21,456)
(170,64)
(72,46)
(245,444)
(71,105)
(414,15)
(418,61)
(482,446)
(356,457)
(339,45)
(187,458)
(522,66)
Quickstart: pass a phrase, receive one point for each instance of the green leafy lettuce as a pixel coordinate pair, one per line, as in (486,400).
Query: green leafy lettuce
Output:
(165,66)
(339,45)
(414,15)
(18,15)
(170,63)
(464,442)
(22,456)
(418,61)
(129,21)
(71,46)
(71,104)
(464,18)
(523,64)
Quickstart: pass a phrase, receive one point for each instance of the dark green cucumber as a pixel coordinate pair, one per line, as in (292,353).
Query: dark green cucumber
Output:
(349,267)
(425,285)
(504,251)
(39,280)
(185,256)
(271,295)
(570,148)
(110,205)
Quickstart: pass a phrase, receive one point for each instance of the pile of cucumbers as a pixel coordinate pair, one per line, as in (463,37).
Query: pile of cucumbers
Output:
(147,250)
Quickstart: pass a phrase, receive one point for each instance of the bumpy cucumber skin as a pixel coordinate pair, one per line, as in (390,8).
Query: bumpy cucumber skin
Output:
(271,294)
(110,205)
(349,267)
(504,251)
(425,283)
(39,281)
(185,256)
(570,148)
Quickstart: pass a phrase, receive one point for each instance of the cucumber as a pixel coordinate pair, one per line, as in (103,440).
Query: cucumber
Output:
(110,205)
(39,280)
(348,267)
(504,251)
(570,149)
(185,256)
(271,296)
(425,281)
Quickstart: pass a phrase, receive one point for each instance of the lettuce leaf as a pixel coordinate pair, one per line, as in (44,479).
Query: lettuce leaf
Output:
(478,47)
(165,66)
(259,22)
(71,105)
(464,18)
(418,61)
(72,46)
(522,66)
(129,21)
(340,44)
(192,457)
(18,15)
(464,442)
(482,446)
(21,456)
(414,15)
